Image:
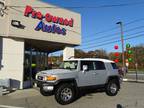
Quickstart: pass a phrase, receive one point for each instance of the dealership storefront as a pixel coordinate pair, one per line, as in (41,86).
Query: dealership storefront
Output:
(29,32)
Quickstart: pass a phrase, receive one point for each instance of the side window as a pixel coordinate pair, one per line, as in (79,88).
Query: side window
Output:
(90,65)
(114,66)
(99,65)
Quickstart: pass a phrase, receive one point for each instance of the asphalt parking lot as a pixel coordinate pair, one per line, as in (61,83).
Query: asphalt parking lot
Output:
(131,95)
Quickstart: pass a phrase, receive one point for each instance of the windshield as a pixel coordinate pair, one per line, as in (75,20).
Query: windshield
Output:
(69,65)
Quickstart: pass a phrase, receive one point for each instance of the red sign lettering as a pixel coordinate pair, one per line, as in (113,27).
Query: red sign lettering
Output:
(48,17)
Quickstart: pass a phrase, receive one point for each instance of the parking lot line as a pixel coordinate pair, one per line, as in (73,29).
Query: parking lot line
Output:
(5,106)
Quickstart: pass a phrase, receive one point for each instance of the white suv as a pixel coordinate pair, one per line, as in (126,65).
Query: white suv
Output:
(76,74)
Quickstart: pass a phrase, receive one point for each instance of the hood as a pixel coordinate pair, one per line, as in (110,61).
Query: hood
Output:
(56,71)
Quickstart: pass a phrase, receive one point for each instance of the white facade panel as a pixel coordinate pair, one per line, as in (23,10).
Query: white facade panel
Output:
(68,53)
(12,59)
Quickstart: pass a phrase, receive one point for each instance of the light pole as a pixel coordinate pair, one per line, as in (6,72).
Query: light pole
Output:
(122,43)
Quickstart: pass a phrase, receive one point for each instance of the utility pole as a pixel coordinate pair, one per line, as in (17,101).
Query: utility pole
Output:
(122,43)
(136,64)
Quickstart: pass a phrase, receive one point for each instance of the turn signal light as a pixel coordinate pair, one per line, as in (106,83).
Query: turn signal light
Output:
(51,78)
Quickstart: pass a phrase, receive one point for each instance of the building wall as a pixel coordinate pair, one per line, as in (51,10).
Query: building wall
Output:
(1,43)
(12,38)
(73,34)
(12,61)
(4,23)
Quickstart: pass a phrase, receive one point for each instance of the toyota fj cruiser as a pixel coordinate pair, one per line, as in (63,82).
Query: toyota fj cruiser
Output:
(74,74)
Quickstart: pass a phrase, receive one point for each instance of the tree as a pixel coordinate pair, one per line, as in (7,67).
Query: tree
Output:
(79,53)
(91,54)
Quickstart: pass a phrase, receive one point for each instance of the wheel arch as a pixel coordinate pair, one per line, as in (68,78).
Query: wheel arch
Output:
(114,78)
(69,81)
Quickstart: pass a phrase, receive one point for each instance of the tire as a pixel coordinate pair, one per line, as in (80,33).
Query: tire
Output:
(65,94)
(44,93)
(112,88)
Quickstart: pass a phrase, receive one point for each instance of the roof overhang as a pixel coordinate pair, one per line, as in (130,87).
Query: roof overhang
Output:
(45,46)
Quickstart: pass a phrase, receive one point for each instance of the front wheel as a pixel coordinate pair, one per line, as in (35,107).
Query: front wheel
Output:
(112,88)
(65,94)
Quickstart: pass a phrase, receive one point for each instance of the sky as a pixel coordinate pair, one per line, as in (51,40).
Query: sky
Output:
(104,19)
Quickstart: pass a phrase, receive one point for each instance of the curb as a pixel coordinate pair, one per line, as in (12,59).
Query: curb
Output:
(132,80)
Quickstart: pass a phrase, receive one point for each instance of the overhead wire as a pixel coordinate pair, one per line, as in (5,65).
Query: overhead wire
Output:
(85,7)
(114,28)
(111,42)
(115,38)
(114,34)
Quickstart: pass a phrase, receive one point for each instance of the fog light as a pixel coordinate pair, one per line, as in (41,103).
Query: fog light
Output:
(48,88)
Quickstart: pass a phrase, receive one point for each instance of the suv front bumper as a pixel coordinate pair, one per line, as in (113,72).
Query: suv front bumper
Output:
(40,83)
(45,86)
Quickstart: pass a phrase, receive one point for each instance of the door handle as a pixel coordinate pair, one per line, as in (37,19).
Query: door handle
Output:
(95,73)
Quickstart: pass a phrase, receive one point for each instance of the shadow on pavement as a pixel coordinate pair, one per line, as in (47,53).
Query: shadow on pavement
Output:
(88,92)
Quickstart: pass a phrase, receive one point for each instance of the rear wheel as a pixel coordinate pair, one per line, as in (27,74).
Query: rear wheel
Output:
(112,88)
(65,94)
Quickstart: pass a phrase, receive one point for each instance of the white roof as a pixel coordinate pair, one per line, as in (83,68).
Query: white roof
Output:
(90,59)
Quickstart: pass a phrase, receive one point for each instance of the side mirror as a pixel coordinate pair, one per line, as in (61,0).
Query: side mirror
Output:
(85,68)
